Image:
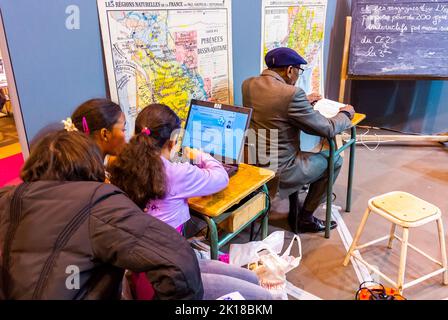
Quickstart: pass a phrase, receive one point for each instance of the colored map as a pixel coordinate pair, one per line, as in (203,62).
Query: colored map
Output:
(168,53)
(299,25)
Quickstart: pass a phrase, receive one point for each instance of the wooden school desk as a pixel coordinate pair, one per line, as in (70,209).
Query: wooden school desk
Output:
(331,158)
(219,207)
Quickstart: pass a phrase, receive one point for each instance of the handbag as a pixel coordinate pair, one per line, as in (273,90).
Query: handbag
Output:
(376,291)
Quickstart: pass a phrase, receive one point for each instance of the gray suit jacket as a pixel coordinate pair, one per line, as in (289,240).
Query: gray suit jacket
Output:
(280,112)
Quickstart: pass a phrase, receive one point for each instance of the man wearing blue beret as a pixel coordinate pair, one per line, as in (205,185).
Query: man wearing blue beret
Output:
(280,112)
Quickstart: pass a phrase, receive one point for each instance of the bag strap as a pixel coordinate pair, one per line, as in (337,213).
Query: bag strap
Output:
(294,263)
(15,217)
(15,208)
(63,238)
(288,250)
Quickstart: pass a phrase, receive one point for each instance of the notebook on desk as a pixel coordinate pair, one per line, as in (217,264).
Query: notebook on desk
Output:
(328,108)
(217,129)
(315,144)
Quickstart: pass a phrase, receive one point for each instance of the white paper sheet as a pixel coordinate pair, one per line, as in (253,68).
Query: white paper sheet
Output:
(328,108)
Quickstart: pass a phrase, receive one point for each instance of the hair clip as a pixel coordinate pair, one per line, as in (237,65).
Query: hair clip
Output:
(146,131)
(85,127)
(68,125)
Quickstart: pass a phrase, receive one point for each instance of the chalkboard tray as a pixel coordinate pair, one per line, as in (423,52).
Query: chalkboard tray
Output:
(399,39)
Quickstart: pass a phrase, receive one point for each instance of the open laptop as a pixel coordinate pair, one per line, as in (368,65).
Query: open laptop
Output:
(217,129)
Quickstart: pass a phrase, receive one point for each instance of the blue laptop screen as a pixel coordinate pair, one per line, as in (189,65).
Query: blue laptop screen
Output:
(215,131)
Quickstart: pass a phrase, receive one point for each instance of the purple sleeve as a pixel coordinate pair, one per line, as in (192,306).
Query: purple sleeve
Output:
(206,178)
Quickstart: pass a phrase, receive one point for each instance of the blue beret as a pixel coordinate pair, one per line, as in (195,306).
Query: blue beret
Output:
(283,57)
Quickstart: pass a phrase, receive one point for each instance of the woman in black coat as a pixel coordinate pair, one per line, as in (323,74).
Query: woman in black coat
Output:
(65,234)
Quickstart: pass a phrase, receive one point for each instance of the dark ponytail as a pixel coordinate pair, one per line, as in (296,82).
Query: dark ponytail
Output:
(139,170)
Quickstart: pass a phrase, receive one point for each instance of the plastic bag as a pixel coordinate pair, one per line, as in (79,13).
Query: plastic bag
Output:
(264,258)
(247,253)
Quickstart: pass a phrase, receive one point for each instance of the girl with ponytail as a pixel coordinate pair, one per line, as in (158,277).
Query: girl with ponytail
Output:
(144,170)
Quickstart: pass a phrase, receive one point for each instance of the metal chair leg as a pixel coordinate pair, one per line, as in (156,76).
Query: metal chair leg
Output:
(351,168)
(213,238)
(329,188)
(252,227)
(265,228)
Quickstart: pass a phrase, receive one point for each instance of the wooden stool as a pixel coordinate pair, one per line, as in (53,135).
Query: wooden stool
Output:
(407,211)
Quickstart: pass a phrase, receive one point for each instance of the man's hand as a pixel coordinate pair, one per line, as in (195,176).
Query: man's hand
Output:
(314,97)
(348,109)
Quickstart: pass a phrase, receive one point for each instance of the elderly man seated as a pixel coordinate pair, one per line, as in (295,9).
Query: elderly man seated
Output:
(281,106)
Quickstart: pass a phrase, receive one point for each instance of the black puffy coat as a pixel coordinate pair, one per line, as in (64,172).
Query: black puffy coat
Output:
(60,228)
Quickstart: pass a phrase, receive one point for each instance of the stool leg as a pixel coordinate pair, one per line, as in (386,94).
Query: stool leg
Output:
(392,235)
(357,236)
(402,267)
(443,250)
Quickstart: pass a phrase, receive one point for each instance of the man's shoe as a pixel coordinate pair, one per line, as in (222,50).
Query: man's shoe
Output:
(333,224)
(314,226)
(294,205)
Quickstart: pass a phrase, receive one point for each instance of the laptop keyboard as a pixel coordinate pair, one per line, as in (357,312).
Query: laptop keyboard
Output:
(230,169)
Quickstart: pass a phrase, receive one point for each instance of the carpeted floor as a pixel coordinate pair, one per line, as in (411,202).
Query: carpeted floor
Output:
(417,168)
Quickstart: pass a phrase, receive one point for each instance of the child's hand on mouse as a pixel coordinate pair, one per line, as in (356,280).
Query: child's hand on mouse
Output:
(192,154)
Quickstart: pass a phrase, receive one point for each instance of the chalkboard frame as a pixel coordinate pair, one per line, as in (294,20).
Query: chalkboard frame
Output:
(379,77)
(394,77)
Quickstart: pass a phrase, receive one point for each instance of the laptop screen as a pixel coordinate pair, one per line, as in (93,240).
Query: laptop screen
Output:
(217,131)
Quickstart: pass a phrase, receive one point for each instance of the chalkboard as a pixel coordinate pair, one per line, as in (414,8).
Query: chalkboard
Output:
(399,38)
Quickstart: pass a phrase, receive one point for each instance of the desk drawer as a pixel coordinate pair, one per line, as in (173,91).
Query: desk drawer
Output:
(244,213)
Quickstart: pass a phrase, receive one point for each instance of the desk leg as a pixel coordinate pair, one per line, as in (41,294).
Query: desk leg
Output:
(351,168)
(252,231)
(265,222)
(213,238)
(330,187)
